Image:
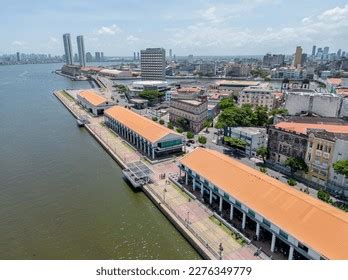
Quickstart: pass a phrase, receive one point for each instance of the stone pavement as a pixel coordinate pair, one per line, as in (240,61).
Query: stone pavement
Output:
(196,216)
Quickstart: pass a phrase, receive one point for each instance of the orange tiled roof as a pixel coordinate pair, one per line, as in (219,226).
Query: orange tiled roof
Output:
(335,81)
(143,126)
(92,97)
(318,225)
(302,127)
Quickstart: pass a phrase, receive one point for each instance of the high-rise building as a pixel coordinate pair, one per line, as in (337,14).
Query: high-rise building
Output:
(339,53)
(89,57)
(153,63)
(68,49)
(326,50)
(97,56)
(81,49)
(138,56)
(102,56)
(18,57)
(134,56)
(76,57)
(170,54)
(303,59)
(313,50)
(298,57)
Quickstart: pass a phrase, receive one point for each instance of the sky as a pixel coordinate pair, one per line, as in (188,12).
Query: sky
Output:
(198,27)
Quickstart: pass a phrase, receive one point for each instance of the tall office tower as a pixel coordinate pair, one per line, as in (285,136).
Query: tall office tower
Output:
(81,49)
(344,54)
(303,59)
(170,53)
(68,48)
(326,50)
(18,57)
(134,56)
(298,57)
(102,56)
(313,50)
(138,56)
(153,63)
(97,56)
(89,57)
(339,53)
(76,57)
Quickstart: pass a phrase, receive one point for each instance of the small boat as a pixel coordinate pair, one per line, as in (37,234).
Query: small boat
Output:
(81,122)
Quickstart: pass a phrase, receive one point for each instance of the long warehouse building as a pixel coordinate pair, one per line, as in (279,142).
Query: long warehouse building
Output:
(149,137)
(306,227)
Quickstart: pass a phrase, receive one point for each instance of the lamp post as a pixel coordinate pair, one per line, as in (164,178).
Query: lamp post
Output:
(221,249)
(164,194)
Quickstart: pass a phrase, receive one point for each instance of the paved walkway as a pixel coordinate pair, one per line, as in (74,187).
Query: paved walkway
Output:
(197,217)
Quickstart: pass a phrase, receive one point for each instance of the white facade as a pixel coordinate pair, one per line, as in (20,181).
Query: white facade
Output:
(253,136)
(322,104)
(261,95)
(138,86)
(336,180)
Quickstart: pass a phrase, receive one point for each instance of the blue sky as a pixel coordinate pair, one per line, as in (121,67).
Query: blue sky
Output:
(198,27)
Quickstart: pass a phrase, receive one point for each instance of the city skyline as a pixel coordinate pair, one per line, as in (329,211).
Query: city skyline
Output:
(205,28)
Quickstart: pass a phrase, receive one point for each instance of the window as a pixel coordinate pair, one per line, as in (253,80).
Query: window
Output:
(283,234)
(303,247)
(226,196)
(267,223)
(251,213)
(238,203)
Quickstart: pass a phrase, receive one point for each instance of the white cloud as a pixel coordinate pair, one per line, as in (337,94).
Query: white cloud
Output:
(132,38)
(53,40)
(109,30)
(329,26)
(18,43)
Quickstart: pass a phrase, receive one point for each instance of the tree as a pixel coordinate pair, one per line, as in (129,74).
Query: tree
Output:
(226,103)
(151,95)
(190,135)
(260,116)
(154,119)
(235,142)
(170,125)
(279,111)
(183,123)
(292,182)
(161,122)
(262,152)
(206,124)
(341,167)
(296,164)
(324,196)
(179,130)
(202,140)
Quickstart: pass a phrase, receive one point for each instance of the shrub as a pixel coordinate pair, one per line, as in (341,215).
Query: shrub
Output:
(154,119)
(190,135)
(179,130)
(170,125)
(161,122)
(263,169)
(292,182)
(202,140)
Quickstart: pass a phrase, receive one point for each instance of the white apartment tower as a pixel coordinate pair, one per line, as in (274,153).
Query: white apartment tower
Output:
(153,63)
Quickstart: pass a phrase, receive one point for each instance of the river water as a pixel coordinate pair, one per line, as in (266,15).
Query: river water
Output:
(61,195)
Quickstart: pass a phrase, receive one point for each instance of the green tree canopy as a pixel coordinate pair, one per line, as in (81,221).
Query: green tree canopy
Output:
(296,164)
(226,103)
(170,125)
(341,167)
(161,122)
(279,111)
(151,95)
(202,140)
(262,152)
(235,142)
(190,135)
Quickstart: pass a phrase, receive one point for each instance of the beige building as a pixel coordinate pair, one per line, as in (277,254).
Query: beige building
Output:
(261,95)
(298,57)
(189,113)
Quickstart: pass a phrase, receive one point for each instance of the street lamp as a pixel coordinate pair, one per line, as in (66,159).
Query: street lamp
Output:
(221,249)
(188,217)
(164,193)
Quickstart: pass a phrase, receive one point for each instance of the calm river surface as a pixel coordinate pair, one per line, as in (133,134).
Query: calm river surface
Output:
(61,195)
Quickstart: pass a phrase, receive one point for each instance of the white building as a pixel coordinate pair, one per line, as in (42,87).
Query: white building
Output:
(93,102)
(153,63)
(139,86)
(261,95)
(253,136)
(299,101)
(116,73)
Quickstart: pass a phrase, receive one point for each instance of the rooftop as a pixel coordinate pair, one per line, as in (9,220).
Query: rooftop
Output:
(237,83)
(189,90)
(143,126)
(303,127)
(150,83)
(317,224)
(92,97)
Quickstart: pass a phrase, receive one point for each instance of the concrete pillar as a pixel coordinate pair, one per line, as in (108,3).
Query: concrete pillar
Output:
(244,220)
(210,196)
(273,242)
(153,153)
(194,184)
(186,178)
(220,204)
(202,190)
(291,253)
(231,212)
(148,150)
(257,230)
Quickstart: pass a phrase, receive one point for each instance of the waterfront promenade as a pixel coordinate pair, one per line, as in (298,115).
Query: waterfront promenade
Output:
(194,220)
